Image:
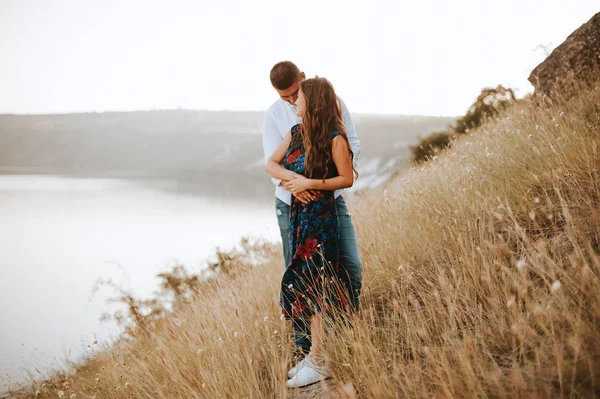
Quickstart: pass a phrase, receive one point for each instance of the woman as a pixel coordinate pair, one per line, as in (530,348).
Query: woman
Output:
(316,156)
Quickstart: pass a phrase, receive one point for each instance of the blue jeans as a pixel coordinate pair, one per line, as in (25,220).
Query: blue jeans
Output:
(349,257)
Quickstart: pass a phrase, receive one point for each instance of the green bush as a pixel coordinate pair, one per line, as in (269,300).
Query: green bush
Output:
(429,146)
(488,105)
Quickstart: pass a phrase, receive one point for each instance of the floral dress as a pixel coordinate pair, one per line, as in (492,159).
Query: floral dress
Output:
(315,280)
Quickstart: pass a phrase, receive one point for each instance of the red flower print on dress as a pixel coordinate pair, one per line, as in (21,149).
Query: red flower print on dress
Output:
(292,157)
(298,306)
(307,248)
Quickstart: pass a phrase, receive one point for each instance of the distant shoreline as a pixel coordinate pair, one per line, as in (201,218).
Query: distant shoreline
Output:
(168,184)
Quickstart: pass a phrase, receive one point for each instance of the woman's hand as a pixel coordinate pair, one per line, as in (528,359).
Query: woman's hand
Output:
(304,197)
(299,184)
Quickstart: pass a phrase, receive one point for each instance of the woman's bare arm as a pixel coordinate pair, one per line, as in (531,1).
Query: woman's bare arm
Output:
(343,162)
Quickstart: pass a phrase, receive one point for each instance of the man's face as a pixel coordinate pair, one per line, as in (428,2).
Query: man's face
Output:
(300,104)
(291,93)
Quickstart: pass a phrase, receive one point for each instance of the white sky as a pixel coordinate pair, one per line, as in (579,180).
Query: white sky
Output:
(409,57)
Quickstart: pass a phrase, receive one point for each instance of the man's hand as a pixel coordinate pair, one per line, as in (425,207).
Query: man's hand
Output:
(304,196)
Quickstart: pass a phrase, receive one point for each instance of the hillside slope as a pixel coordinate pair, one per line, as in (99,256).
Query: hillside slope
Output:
(481,278)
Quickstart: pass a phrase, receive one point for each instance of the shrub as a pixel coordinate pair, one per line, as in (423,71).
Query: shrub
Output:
(488,105)
(431,145)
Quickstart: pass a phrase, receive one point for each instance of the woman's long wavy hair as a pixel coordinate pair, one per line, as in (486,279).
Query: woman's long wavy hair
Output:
(323,115)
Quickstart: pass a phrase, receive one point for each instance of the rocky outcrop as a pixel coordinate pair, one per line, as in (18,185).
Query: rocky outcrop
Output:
(574,63)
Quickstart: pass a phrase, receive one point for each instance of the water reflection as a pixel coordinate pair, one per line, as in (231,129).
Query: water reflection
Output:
(58,235)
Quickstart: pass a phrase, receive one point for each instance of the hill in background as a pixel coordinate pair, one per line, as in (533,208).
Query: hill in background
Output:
(199,152)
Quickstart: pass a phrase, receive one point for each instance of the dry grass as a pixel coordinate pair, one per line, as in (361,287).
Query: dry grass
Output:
(481,280)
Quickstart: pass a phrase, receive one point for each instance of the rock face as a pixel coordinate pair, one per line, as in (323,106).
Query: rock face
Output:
(575,62)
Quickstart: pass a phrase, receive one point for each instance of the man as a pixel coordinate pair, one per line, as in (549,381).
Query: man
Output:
(278,120)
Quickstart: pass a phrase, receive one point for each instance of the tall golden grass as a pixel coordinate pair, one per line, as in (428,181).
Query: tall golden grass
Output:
(481,279)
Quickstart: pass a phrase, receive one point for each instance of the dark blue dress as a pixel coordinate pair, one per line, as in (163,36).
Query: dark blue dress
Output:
(315,280)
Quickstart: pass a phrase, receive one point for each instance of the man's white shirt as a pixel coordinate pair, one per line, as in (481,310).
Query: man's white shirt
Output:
(278,120)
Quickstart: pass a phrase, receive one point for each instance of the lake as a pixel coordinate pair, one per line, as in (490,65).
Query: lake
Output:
(58,235)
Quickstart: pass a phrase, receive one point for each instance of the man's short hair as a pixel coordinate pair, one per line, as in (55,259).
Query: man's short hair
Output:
(284,74)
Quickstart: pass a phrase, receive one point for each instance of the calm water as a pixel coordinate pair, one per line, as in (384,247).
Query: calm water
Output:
(59,235)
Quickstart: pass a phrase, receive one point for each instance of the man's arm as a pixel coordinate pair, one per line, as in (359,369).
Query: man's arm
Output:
(273,165)
(351,130)
(271,140)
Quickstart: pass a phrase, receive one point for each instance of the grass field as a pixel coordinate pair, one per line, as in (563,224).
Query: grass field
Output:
(481,279)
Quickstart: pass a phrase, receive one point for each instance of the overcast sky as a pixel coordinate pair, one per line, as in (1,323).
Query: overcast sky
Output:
(406,57)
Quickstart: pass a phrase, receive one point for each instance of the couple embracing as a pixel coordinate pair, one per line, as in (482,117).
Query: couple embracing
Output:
(311,148)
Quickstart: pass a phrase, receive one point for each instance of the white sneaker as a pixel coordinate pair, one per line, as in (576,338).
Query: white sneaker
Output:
(309,374)
(294,370)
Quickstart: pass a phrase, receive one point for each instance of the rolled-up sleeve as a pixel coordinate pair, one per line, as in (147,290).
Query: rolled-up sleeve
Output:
(351,131)
(271,139)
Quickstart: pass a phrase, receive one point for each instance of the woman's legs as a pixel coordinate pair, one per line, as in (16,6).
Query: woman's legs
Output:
(301,327)
(317,329)
(313,368)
